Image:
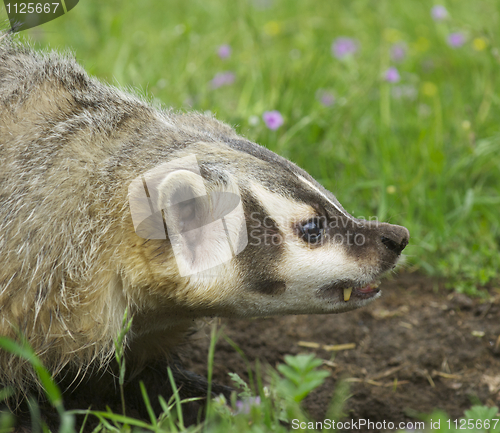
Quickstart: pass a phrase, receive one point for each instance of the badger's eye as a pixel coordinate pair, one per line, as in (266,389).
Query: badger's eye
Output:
(312,230)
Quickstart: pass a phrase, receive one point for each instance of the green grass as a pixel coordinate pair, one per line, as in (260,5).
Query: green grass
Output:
(275,409)
(259,410)
(429,160)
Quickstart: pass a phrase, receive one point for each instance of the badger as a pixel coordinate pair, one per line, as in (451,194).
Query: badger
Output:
(110,205)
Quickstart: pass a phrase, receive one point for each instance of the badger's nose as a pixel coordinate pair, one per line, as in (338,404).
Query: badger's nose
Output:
(395,238)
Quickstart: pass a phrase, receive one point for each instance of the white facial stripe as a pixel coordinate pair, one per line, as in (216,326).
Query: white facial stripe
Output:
(281,209)
(311,185)
(306,267)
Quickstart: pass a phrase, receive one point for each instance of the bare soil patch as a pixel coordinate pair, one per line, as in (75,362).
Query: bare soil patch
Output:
(417,348)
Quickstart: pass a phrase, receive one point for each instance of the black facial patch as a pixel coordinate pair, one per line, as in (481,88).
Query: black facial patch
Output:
(259,260)
(262,229)
(269,287)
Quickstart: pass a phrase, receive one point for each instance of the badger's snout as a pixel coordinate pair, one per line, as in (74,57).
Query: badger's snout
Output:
(394,238)
(375,244)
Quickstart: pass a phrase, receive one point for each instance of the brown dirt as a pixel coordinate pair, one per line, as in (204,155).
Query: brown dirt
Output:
(417,348)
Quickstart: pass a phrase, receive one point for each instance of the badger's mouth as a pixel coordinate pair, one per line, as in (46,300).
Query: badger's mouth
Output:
(348,290)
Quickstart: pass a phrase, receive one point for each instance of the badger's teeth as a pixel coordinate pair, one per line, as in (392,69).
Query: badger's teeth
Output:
(347,294)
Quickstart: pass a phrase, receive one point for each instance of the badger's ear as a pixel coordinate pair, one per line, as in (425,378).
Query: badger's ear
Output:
(182,199)
(205,222)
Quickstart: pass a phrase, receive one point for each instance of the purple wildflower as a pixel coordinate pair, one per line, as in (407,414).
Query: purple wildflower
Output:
(222,79)
(224,51)
(326,98)
(343,47)
(392,75)
(398,52)
(439,13)
(243,406)
(456,40)
(273,119)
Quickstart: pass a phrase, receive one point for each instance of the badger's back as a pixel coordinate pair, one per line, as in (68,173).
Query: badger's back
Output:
(69,147)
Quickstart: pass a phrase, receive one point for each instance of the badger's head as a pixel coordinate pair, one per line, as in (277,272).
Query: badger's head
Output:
(239,231)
